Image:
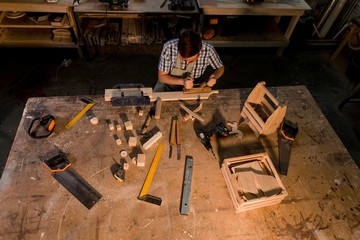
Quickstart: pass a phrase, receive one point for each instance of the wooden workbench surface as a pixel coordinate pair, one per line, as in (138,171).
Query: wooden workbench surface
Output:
(268,7)
(135,6)
(322,181)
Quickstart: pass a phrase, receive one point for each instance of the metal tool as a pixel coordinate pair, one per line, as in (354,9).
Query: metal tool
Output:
(198,88)
(205,140)
(182,5)
(147,121)
(163,4)
(130,95)
(90,104)
(220,129)
(144,196)
(116,4)
(186,190)
(59,165)
(119,172)
(286,136)
(41,127)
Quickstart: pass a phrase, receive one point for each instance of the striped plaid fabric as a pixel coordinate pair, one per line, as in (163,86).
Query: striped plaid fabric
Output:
(207,57)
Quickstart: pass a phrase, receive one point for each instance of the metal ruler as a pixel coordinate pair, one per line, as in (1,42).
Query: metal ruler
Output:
(185,196)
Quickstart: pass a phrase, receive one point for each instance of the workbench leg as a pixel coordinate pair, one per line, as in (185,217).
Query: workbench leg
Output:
(289,32)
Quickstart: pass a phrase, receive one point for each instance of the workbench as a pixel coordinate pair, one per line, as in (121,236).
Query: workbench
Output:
(322,180)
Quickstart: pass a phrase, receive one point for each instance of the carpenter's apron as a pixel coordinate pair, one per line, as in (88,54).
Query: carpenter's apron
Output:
(177,72)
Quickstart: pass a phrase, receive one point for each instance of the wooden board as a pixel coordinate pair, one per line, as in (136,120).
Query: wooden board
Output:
(164,96)
(322,181)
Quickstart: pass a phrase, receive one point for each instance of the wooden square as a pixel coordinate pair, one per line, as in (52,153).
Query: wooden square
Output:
(253,182)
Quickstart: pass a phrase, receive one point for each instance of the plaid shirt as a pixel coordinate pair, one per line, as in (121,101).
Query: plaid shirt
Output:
(207,56)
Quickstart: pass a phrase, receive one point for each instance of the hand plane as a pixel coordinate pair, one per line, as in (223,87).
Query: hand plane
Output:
(198,88)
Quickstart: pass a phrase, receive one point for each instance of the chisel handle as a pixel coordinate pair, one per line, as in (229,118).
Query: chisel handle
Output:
(178,132)
(173,132)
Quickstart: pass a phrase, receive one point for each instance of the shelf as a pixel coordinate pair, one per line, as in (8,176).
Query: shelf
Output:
(31,38)
(24,32)
(25,22)
(246,31)
(249,41)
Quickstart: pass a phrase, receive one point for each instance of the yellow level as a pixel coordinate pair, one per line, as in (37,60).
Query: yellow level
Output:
(79,115)
(146,187)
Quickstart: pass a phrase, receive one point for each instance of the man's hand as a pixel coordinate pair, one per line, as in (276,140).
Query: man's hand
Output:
(188,83)
(212,80)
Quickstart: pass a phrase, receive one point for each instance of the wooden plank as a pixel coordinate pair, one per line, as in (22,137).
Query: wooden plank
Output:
(164,96)
(135,7)
(215,7)
(174,96)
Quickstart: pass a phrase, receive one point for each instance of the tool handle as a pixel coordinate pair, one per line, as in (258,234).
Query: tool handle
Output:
(158,108)
(178,132)
(146,125)
(173,132)
(203,84)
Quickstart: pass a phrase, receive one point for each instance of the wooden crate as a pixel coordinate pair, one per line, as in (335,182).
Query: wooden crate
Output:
(262,112)
(253,182)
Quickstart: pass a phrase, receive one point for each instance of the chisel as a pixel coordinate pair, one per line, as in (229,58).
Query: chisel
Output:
(172,135)
(178,139)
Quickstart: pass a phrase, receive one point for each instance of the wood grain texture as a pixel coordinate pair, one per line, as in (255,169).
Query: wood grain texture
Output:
(322,181)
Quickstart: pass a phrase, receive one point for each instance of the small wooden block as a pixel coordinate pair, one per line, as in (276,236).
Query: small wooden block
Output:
(118,127)
(132,141)
(141,112)
(152,140)
(128,125)
(110,124)
(126,166)
(117,139)
(140,161)
(158,108)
